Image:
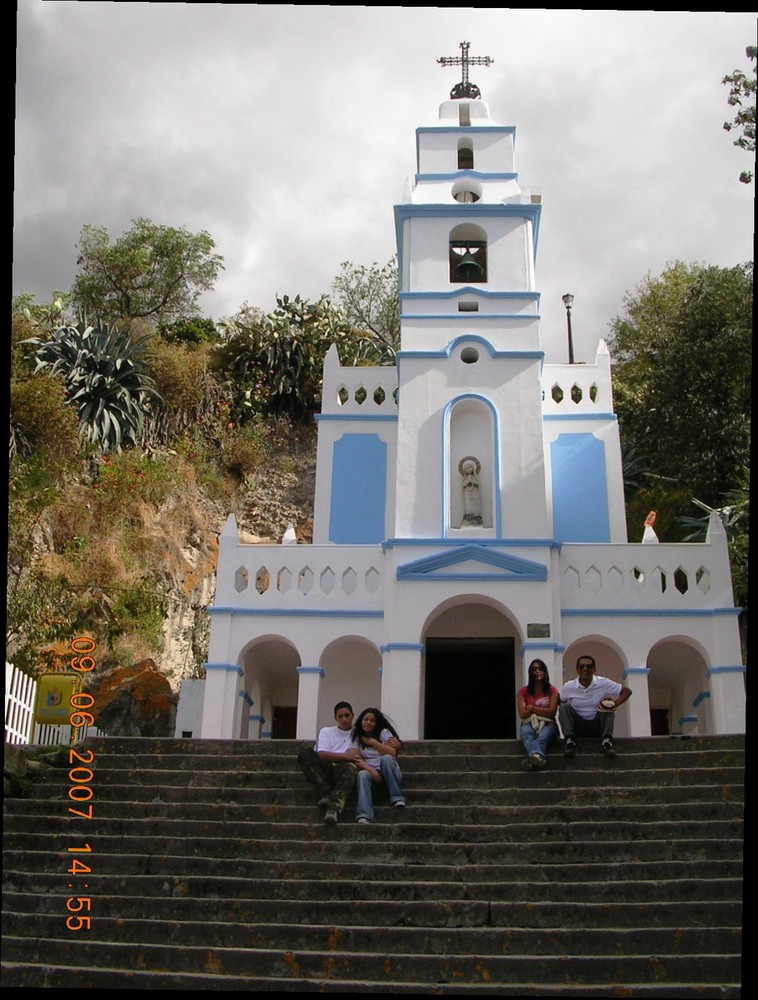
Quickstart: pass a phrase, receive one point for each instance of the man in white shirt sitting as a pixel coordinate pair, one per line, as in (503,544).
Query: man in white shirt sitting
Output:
(587,707)
(330,766)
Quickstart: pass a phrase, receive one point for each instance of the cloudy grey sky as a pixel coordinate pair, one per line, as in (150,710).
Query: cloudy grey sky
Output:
(288,134)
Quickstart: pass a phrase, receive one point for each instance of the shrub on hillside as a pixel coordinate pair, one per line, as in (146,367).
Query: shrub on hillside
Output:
(42,422)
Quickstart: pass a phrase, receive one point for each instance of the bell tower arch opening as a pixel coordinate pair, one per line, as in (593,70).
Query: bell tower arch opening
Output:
(468,255)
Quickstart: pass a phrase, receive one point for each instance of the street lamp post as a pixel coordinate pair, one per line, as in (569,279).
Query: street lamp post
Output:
(568,300)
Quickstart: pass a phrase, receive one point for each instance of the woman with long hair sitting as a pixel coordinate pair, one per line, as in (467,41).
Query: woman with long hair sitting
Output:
(379,744)
(537,706)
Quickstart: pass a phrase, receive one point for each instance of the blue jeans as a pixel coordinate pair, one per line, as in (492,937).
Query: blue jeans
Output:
(391,775)
(535,742)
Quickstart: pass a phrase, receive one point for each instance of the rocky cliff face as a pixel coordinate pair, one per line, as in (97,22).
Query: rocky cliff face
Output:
(267,502)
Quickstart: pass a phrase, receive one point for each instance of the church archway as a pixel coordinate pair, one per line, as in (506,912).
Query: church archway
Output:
(679,689)
(270,689)
(351,673)
(469,671)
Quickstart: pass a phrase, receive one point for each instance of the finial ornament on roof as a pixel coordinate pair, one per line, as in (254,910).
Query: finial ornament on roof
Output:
(464,60)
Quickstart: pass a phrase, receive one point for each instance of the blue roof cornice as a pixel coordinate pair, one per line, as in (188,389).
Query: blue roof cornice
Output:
(457,175)
(522,210)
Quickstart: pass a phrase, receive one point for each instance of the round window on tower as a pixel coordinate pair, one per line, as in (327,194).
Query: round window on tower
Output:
(466,192)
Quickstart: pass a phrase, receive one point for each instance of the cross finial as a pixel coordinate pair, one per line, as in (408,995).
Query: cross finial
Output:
(464,60)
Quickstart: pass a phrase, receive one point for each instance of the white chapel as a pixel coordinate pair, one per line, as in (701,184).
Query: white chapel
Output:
(469,508)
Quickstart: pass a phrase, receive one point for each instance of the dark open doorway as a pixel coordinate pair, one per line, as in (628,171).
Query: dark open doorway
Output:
(284,722)
(470,689)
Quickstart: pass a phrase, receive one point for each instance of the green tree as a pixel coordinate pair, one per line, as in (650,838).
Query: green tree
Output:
(742,96)
(274,363)
(152,272)
(682,386)
(370,300)
(189,330)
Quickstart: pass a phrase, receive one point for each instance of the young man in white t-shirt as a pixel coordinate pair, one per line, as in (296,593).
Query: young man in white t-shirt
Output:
(587,707)
(330,766)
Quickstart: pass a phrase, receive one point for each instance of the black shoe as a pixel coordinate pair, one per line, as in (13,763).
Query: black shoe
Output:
(323,802)
(331,817)
(608,749)
(569,747)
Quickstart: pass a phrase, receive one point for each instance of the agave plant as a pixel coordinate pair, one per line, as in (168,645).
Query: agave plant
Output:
(105,376)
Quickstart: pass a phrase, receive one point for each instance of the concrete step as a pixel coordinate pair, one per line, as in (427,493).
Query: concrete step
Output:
(47,975)
(413,887)
(467,869)
(701,911)
(349,843)
(706,968)
(399,940)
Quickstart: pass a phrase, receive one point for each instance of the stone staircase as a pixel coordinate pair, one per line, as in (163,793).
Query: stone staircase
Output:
(211,869)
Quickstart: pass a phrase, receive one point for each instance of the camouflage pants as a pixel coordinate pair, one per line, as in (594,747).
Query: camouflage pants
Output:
(334,779)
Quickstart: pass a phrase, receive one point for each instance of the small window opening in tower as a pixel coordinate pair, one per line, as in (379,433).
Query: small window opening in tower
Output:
(468,307)
(465,158)
(469,355)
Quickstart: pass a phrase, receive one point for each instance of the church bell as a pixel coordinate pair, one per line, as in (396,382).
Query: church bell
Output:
(468,268)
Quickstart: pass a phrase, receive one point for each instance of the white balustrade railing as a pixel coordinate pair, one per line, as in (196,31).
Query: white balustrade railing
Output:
(299,576)
(685,576)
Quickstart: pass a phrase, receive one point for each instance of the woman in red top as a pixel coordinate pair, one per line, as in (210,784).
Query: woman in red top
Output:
(537,706)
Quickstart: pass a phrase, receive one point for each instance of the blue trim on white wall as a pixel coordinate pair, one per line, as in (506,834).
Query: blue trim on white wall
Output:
(459,175)
(580,489)
(527,648)
(649,613)
(531,543)
(466,129)
(525,318)
(414,647)
(310,670)
(512,568)
(358,490)
(528,211)
(701,698)
(470,338)
(739,669)
(627,671)
(229,667)
(318,417)
(460,290)
(246,697)
(580,416)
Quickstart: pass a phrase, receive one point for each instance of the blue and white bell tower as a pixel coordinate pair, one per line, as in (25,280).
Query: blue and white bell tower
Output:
(470,359)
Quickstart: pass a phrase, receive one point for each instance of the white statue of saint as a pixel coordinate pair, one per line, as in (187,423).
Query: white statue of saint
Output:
(469,468)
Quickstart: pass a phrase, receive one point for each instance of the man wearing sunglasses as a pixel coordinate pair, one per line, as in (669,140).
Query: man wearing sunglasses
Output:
(588,706)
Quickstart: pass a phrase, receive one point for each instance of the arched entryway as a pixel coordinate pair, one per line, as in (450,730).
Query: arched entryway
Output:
(469,671)
(678,686)
(270,683)
(351,673)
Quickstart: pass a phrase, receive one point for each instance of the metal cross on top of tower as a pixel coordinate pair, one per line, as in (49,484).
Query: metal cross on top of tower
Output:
(464,60)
